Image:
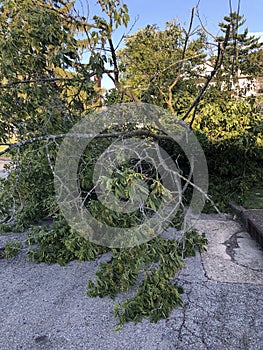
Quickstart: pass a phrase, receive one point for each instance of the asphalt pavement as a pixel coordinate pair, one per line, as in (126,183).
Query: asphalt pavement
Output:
(46,306)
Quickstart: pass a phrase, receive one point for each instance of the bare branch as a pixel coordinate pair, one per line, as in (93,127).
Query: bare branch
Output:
(170,89)
(181,61)
(204,27)
(114,60)
(219,59)
(141,132)
(127,34)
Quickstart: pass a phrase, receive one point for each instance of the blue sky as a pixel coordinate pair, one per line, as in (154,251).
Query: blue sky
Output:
(211,11)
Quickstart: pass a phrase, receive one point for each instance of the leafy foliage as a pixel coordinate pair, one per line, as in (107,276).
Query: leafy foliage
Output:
(155,263)
(163,50)
(36,46)
(58,243)
(12,248)
(231,135)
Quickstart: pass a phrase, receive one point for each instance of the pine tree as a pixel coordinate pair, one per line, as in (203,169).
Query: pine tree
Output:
(240,60)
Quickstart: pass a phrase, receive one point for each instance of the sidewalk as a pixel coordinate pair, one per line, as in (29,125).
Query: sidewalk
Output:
(45,307)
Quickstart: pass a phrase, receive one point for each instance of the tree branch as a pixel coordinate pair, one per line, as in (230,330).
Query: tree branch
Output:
(142,132)
(29,81)
(170,89)
(219,59)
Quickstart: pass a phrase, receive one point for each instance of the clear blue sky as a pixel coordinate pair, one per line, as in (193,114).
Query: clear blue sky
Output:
(213,11)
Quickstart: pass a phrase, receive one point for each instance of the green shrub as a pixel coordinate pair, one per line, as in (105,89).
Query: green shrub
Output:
(231,134)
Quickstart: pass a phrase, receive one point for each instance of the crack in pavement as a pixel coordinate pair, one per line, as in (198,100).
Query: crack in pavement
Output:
(231,244)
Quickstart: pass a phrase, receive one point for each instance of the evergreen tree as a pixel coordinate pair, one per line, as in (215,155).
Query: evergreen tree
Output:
(241,59)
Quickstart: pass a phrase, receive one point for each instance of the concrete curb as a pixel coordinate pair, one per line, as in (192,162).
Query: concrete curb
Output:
(251,219)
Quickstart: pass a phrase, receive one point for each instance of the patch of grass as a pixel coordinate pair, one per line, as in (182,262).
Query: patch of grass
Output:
(254,198)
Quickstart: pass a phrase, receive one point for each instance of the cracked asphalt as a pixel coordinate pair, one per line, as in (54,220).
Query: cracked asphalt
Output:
(46,307)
